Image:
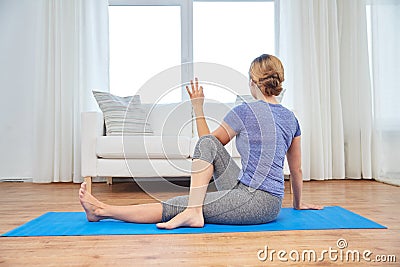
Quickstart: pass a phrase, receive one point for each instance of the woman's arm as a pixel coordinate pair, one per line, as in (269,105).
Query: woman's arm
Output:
(294,159)
(197,97)
(224,132)
(202,126)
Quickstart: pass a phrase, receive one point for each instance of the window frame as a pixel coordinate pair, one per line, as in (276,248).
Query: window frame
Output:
(186,12)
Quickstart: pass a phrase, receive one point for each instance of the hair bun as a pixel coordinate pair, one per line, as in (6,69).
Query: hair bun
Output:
(271,85)
(267,72)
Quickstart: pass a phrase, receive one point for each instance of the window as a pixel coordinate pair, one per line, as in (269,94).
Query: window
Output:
(147,37)
(144,40)
(383,43)
(231,34)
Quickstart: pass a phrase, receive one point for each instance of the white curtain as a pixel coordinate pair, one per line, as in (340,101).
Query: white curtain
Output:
(349,129)
(355,86)
(385,52)
(310,51)
(72,59)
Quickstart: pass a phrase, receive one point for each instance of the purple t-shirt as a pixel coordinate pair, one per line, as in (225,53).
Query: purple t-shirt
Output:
(264,134)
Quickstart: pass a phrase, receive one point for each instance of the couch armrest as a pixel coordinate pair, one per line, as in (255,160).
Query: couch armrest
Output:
(91,128)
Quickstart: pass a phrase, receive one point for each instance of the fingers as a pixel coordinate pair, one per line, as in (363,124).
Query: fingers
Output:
(314,207)
(305,206)
(194,88)
(187,89)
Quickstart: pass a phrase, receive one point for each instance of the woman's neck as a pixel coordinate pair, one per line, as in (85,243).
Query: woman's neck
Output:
(268,99)
(257,94)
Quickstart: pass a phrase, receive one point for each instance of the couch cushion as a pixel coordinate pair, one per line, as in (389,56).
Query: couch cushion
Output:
(138,147)
(170,119)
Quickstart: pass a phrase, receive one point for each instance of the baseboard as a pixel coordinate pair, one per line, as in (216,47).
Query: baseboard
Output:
(156,179)
(17,179)
(116,179)
(99,179)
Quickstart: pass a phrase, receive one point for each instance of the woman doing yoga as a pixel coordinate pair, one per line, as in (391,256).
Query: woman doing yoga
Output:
(265,132)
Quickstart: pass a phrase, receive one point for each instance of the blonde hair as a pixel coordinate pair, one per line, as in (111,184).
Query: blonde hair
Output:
(267,73)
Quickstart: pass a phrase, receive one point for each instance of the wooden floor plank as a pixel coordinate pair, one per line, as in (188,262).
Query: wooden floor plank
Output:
(21,202)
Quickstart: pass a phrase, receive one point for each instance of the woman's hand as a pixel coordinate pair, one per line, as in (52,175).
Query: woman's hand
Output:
(305,206)
(196,95)
(197,98)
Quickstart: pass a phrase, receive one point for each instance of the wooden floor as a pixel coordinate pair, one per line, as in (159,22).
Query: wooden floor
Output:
(20,202)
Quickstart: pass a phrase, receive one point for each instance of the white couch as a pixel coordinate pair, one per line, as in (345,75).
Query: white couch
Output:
(167,153)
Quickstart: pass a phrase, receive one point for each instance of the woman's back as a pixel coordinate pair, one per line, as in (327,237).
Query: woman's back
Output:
(264,134)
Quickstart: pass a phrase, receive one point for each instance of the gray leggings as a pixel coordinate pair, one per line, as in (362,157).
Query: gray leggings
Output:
(234,202)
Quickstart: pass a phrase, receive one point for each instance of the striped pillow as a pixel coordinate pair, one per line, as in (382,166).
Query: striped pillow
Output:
(123,115)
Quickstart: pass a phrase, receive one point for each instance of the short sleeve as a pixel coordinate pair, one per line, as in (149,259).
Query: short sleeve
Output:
(234,118)
(298,131)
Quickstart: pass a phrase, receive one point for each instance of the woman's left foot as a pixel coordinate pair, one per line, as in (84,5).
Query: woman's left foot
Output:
(190,217)
(93,207)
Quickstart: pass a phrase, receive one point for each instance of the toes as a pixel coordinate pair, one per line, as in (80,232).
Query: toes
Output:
(165,225)
(160,225)
(184,219)
(82,190)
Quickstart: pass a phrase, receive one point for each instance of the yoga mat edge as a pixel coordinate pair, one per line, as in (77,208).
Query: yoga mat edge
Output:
(75,224)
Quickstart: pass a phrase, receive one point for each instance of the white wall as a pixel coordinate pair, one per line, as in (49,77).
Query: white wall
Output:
(17,69)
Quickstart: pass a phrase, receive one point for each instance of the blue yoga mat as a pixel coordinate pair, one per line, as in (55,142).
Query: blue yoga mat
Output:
(75,224)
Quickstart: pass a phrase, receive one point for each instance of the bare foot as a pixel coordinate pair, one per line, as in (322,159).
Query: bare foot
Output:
(190,217)
(92,207)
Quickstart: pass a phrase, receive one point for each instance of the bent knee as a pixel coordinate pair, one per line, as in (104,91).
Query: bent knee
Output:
(208,141)
(206,148)
(210,137)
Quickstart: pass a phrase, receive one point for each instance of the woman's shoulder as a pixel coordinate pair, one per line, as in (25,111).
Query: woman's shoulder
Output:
(241,107)
(286,110)
(273,106)
(259,104)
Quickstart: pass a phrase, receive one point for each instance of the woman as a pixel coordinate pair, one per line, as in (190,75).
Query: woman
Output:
(265,131)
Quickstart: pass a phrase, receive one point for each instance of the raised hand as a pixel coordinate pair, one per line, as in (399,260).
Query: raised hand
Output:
(196,94)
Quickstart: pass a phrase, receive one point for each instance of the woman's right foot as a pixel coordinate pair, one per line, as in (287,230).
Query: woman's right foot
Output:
(94,208)
(190,217)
